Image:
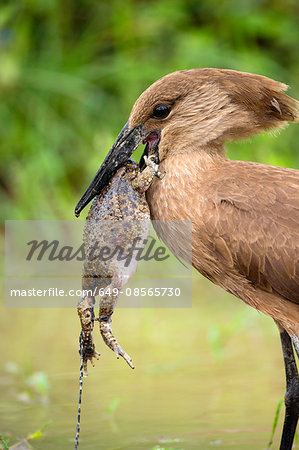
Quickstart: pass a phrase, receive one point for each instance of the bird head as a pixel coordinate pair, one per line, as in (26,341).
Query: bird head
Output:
(196,110)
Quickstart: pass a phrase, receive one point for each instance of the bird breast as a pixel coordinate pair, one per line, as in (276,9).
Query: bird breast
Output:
(173,197)
(178,203)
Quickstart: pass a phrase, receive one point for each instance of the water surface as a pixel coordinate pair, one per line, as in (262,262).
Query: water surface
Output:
(205,377)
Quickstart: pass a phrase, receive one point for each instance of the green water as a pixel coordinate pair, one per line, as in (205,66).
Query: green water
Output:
(206,377)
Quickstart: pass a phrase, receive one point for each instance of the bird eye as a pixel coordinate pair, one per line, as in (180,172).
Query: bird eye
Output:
(161,111)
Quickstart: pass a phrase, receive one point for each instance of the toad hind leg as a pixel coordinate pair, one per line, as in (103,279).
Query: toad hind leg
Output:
(107,304)
(86,313)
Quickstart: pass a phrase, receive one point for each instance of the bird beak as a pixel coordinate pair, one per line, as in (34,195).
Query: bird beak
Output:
(127,141)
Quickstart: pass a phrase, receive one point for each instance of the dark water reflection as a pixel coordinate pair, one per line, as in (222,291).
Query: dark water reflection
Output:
(206,377)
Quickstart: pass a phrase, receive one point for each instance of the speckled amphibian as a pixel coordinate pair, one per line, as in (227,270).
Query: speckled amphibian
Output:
(116,217)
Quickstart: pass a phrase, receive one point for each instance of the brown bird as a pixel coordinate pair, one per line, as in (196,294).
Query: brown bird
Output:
(245,215)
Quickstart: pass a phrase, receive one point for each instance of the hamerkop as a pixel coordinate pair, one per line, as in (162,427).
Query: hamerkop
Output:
(245,215)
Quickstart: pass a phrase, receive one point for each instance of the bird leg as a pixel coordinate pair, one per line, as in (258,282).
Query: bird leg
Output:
(295,341)
(107,304)
(86,313)
(292,394)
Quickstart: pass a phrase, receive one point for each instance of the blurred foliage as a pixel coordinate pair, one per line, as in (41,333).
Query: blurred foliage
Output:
(70,72)
(4,443)
(24,443)
(275,421)
(33,386)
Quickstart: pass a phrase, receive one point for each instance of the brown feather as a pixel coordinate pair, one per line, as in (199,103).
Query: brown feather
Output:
(243,238)
(245,216)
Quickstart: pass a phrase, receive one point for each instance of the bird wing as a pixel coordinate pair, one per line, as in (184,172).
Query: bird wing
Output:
(256,216)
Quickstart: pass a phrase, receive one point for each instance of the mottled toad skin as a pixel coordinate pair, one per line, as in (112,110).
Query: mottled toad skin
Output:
(117,217)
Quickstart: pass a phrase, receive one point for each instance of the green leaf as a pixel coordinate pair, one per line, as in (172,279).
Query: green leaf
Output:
(4,442)
(113,406)
(276,417)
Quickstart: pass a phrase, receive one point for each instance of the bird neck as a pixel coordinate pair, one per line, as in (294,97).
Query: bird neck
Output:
(212,149)
(185,182)
(192,154)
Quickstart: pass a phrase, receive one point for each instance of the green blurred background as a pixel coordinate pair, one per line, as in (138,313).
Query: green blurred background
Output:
(70,72)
